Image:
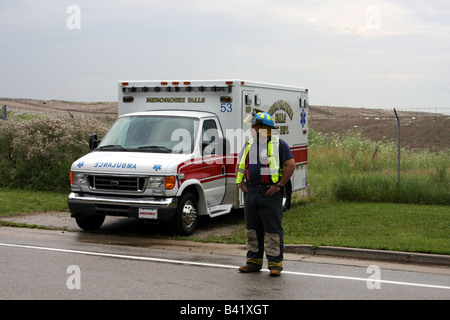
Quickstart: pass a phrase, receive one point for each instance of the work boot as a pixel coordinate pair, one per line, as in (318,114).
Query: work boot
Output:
(250,267)
(275,271)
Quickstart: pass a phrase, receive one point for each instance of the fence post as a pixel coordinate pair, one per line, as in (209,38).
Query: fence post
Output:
(398,154)
(4,115)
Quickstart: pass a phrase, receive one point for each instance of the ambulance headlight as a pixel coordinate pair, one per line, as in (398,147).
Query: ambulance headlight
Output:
(77,180)
(161,183)
(156,183)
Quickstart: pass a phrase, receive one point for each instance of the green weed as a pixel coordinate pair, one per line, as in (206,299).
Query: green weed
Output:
(357,169)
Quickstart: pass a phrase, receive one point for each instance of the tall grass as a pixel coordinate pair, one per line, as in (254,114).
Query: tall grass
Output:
(357,169)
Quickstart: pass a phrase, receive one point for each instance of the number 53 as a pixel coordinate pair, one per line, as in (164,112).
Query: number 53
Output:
(226,107)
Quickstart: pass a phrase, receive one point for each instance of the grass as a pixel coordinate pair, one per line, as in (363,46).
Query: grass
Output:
(389,226)
(19,116)
(14,201)
(381,226)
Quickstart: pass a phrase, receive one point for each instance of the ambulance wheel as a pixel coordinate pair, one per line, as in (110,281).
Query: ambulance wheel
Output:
(287,196)
(91,222)
(186,218)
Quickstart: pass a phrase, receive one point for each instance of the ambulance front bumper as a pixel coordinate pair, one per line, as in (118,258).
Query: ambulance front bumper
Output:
(82,205)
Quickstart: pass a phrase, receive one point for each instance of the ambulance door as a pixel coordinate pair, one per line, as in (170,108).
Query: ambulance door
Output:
(213,176)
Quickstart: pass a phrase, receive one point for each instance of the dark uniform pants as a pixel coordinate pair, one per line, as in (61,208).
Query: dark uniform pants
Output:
(263,215)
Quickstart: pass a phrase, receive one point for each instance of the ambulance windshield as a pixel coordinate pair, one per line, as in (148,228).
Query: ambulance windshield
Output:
(157,134)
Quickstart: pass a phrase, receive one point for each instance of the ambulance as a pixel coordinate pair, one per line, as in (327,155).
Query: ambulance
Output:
(171,155)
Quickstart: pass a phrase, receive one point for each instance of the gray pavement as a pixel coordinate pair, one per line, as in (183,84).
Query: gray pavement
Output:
(63,221)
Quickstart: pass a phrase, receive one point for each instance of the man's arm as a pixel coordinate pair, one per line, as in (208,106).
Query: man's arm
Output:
(288,171)
(241,185)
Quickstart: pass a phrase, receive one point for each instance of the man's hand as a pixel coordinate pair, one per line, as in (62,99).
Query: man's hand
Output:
(242,186)
(272,190)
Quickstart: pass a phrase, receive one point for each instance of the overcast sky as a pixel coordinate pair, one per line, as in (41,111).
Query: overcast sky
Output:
(368,53)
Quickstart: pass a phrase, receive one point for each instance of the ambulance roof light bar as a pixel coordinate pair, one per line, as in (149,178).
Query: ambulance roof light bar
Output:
(176,88)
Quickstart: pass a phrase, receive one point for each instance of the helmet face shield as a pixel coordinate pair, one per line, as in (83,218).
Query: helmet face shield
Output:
(249,119)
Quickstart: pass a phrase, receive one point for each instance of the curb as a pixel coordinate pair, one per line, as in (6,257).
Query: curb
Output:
(384,255)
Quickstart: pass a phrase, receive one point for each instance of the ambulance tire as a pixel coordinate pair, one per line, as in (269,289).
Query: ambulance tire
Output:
(186,219)
(91,222)
(287,196)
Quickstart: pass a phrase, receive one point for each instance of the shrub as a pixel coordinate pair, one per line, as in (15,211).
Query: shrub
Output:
(37,154)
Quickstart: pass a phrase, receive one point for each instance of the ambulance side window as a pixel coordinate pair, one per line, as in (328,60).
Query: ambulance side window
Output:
(209,134)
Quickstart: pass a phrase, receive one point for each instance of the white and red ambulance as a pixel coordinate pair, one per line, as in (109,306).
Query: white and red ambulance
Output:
(171,155)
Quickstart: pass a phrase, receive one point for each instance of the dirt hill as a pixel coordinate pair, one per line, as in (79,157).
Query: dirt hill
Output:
(60,108)
(419,130)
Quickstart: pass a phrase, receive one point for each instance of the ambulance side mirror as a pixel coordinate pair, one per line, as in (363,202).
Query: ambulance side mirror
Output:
(93,141)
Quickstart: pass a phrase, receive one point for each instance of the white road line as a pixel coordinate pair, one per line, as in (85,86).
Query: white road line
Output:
(192,263)
(120,256)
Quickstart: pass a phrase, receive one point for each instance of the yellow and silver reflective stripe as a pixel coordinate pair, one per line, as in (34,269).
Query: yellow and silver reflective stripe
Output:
(274,160)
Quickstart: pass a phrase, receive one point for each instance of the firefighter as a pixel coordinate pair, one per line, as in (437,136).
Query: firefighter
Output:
(264,167)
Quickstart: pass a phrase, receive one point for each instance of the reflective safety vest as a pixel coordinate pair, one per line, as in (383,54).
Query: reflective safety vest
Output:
(274,160)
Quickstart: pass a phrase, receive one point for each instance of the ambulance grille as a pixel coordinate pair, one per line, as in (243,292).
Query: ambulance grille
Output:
(117,183)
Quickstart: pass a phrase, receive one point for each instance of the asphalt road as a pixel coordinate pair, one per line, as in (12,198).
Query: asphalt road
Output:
(49,264)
